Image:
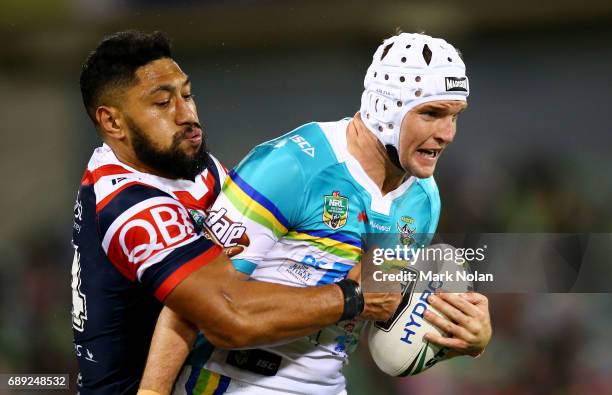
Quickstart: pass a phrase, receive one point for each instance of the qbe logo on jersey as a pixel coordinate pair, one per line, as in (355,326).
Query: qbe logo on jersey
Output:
(148,231)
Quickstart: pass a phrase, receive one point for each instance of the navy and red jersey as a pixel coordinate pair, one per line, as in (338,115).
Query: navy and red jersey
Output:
(136,236)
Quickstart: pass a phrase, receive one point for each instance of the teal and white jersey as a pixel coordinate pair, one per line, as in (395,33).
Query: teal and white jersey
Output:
(293,211)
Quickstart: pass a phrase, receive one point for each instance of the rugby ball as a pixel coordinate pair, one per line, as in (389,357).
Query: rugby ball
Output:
(397,345)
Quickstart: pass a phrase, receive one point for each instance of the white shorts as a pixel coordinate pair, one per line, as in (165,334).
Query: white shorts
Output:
(203,382)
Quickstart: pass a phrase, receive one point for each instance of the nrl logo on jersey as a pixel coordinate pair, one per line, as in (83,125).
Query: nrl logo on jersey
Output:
(335,210)
(406,232)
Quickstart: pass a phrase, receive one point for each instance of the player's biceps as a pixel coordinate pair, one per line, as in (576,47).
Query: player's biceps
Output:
(205,298)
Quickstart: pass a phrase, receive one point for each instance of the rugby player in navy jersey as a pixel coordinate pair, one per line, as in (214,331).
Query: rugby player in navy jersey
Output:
(138,229)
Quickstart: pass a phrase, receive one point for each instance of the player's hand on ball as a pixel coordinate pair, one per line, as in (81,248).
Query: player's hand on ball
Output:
(380,306)
(466,321)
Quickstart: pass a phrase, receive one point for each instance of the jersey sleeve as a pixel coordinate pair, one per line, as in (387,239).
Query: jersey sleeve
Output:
(149,237)
(219,173)
(260,200)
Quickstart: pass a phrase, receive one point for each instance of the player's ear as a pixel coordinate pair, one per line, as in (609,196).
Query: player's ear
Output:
(110,122)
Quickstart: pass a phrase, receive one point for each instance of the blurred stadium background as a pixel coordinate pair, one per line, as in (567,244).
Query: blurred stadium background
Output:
(532,153)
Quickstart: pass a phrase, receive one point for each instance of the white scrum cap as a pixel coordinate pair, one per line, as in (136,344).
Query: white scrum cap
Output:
(400,78)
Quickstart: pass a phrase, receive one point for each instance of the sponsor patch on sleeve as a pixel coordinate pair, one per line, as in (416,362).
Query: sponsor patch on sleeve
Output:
(146,233)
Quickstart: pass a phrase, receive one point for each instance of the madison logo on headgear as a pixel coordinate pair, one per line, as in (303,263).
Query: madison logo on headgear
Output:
(335,210)
(454,84)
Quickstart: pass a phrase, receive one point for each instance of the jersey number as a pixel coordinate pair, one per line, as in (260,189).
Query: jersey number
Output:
(79,306)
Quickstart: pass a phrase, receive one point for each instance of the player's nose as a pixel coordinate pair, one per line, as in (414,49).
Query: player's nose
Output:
(446,130)
(185,111)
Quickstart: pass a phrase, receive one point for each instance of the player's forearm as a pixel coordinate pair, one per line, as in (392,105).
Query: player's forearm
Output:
(234,313)
(170,347)
(242,314)
(272,312)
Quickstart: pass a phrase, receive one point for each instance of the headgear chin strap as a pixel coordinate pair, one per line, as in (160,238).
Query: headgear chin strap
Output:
(400,78)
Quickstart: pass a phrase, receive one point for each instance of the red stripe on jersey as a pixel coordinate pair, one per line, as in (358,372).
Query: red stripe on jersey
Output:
(126,271)
(110,197)
(210,181)
(205,201)
(162,292)
(91,177)
(87,178)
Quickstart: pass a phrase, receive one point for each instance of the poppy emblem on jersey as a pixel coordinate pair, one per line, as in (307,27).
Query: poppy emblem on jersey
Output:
(335,210)
(406,232)
(362,217)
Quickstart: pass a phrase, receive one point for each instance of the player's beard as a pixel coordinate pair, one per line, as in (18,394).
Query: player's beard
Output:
(172,162)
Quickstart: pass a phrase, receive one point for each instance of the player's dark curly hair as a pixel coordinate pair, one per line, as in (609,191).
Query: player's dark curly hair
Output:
(114,62)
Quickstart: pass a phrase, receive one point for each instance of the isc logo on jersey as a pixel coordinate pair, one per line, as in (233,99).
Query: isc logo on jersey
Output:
(138,235)
(304,145)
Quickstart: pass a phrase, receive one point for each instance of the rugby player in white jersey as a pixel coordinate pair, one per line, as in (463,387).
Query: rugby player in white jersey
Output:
(305,198)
